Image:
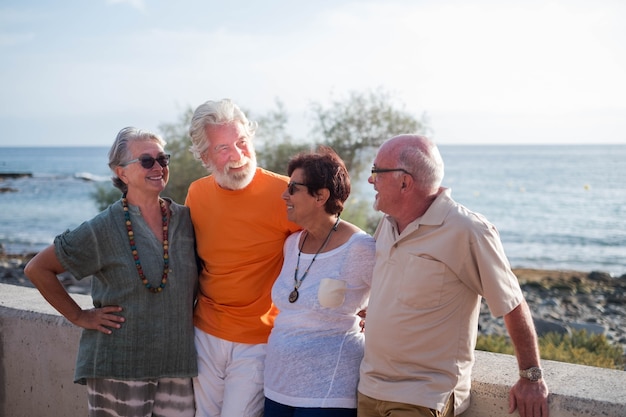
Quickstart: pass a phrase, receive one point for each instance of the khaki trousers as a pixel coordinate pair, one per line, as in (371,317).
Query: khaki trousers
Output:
(371,407)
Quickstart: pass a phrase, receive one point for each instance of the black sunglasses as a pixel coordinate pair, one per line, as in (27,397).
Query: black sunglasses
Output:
(291,187)
(147,161)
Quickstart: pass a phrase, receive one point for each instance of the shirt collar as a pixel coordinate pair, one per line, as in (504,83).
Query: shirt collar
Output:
(434,216)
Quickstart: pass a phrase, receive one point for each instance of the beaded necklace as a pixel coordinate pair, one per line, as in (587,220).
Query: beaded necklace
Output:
(133,247)
(293,295)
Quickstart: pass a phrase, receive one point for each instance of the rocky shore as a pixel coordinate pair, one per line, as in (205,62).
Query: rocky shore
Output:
(12,272)
(565,301)
(560,301)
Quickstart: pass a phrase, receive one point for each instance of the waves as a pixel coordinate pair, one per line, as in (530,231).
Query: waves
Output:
(88,176)
(56,197)
(567,251)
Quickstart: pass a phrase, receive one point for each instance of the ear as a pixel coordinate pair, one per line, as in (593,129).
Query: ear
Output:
(205,157)
(407,182)
(120,172)
(322,195)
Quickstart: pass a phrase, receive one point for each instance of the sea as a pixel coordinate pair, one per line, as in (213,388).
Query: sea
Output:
(555,207)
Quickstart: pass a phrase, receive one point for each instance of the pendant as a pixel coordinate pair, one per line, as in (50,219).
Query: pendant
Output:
(293,295)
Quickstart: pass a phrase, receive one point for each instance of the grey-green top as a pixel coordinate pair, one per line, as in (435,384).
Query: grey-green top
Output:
(156,340)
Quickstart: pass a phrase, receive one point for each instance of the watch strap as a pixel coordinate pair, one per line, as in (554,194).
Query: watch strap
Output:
(533,374)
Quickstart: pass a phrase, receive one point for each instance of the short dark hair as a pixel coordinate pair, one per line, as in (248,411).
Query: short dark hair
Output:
(324,169)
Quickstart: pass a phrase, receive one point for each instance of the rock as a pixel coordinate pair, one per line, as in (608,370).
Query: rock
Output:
(568,300)
(546,326)
(551,302)
(12,272)
(617,298)
(590,328)
(600,277)
(14,175)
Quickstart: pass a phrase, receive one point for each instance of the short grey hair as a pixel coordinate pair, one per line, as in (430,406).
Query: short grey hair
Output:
(215,113)
(120,152)
(425,163)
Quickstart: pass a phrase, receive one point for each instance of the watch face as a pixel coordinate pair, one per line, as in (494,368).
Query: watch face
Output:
(533,374)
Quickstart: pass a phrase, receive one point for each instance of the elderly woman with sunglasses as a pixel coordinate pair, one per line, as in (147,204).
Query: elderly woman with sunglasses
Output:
(136,353)
(316,345)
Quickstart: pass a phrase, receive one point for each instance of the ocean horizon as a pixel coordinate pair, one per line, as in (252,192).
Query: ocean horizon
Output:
(555,206)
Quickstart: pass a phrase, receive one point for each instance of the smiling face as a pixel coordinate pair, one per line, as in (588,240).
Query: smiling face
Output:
(300,204)
(140,179)
(386,184)
(230,155)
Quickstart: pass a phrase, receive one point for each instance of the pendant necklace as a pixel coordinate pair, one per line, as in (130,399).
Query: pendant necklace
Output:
(293,295)
(133,247)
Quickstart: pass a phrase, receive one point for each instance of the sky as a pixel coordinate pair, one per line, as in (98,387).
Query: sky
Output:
(74,72)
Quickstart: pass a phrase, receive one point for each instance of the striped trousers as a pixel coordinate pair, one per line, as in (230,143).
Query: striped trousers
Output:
(163,397)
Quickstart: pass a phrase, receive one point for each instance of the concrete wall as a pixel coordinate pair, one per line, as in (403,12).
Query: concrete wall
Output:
(575,390)
(38,349)
(37,355)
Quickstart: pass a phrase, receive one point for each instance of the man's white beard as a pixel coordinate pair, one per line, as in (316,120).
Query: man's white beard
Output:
(236,180)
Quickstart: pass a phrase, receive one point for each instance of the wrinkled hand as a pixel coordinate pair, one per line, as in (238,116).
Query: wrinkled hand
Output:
(101,319)
(529,398)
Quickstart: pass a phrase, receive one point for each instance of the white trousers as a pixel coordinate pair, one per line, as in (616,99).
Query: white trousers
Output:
(230,377)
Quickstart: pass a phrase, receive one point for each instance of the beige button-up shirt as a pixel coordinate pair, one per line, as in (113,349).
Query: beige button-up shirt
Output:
(422,318)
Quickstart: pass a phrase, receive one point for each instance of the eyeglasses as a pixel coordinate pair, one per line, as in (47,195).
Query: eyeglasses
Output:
(147,161)
(291,187)
(376,171)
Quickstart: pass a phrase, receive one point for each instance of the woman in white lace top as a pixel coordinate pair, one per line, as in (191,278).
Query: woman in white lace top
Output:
(316,345)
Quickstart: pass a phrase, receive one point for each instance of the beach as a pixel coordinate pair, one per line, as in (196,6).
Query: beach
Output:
(560,300)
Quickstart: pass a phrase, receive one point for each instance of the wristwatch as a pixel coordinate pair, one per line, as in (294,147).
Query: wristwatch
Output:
(533,374)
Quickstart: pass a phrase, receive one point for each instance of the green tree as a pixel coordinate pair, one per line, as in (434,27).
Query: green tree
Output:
(104,194)
(274,145)
(184,168)
(356,126)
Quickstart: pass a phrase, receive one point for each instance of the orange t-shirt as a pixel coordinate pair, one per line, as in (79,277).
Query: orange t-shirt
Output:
(239,239)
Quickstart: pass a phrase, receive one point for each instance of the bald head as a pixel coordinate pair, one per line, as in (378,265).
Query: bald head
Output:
(418,155)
